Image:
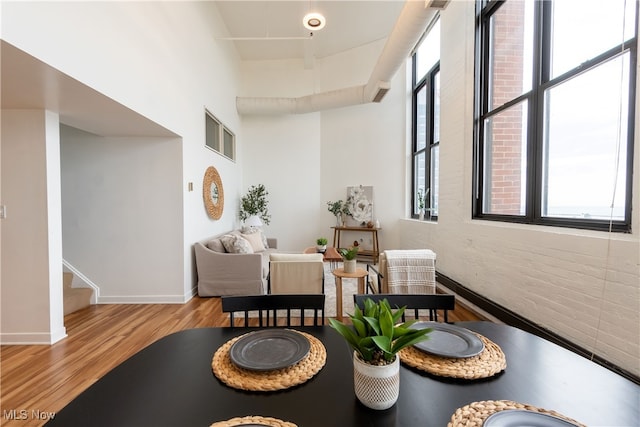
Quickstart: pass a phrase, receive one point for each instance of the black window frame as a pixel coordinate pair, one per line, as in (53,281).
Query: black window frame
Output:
(427,81)
(535,97)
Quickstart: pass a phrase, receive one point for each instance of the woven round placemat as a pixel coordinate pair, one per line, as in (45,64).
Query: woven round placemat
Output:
(474,414)
(262,421)
(486,364)
(233,376)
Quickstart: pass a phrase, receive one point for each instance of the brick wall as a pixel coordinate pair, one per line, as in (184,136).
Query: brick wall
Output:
(503,174)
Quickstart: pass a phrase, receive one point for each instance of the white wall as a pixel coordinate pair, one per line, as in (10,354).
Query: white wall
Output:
(582,285)
(308,159)
(121,227)
(31,292)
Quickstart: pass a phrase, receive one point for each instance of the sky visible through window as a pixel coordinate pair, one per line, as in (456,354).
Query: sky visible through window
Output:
(585,130)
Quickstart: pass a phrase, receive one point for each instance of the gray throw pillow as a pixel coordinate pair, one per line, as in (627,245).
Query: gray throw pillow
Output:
(216,245)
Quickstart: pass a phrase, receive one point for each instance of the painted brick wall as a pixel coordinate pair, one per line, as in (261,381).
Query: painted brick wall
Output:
(582,285)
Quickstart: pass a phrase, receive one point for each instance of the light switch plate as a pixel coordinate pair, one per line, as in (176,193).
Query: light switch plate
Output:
(3,211)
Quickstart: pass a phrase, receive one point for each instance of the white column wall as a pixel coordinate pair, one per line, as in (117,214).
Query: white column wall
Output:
(31,291)
(582,285)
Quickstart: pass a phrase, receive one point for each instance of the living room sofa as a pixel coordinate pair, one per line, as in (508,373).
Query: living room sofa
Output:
(228,266)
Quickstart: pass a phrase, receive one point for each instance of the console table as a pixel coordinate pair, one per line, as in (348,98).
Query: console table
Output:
(363,253)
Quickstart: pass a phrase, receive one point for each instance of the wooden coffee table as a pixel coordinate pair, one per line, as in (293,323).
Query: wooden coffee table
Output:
(331,255)
(339,273)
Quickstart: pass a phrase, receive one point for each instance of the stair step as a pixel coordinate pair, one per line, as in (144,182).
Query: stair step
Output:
(67,279)
(74,298)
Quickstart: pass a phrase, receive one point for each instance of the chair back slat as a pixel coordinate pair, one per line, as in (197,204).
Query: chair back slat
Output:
(268,306)
(414,302)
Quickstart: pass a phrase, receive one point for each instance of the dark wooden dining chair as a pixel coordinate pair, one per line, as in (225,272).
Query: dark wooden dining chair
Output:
(270,308)
(415,302)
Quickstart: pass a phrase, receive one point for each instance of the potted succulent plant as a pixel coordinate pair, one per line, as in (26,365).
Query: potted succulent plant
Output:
(321,244)
(349,258)
(376,337)
(255,203)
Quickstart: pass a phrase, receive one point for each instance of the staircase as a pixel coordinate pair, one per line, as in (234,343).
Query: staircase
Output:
(74,298)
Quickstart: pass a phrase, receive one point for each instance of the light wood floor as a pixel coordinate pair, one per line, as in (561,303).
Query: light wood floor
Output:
(47,377)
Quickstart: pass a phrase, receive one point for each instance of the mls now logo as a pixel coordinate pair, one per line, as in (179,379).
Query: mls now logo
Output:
(15,414)
(23,414)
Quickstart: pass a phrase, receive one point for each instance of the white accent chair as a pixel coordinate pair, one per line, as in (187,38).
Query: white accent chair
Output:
(296,274)
(410,271)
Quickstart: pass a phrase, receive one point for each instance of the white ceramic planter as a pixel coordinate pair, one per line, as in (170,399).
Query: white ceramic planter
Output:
(377,387)
(349,266)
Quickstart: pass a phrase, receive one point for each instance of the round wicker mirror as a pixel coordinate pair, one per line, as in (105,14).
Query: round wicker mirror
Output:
(213,193)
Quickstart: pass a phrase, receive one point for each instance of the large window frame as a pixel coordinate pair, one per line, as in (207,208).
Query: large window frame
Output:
(425,137)
(535,129)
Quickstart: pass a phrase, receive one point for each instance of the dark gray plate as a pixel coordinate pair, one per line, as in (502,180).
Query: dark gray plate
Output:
(524,418)
(449,340)
(269,349)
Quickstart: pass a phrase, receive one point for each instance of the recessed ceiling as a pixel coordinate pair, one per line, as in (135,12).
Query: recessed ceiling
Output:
(29,83)
(277,32)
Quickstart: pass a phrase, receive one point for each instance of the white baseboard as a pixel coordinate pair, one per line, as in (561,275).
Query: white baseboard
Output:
(143,299)
(32,338)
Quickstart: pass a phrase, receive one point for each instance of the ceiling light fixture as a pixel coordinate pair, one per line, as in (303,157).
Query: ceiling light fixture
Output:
(314,21)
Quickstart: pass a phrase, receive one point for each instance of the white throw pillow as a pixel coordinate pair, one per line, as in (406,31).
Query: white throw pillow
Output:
(251,230)
(255,240)
(236,244)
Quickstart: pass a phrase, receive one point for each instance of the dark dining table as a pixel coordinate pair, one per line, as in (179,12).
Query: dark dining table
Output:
(171,383)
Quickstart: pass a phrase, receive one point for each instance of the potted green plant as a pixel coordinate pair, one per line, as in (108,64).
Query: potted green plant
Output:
(421,199)
(349,258)
(336,208)
(376,337)
(255,203)
(321,244)
(340,209)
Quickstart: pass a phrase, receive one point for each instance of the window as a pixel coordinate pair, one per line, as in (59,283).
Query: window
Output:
(426,124)
(555,101)
(218,137)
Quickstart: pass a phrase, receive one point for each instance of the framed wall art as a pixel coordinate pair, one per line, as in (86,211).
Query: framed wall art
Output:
(360,201)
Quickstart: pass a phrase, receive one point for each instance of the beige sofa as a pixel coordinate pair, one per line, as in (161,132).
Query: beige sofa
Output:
(223,273)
